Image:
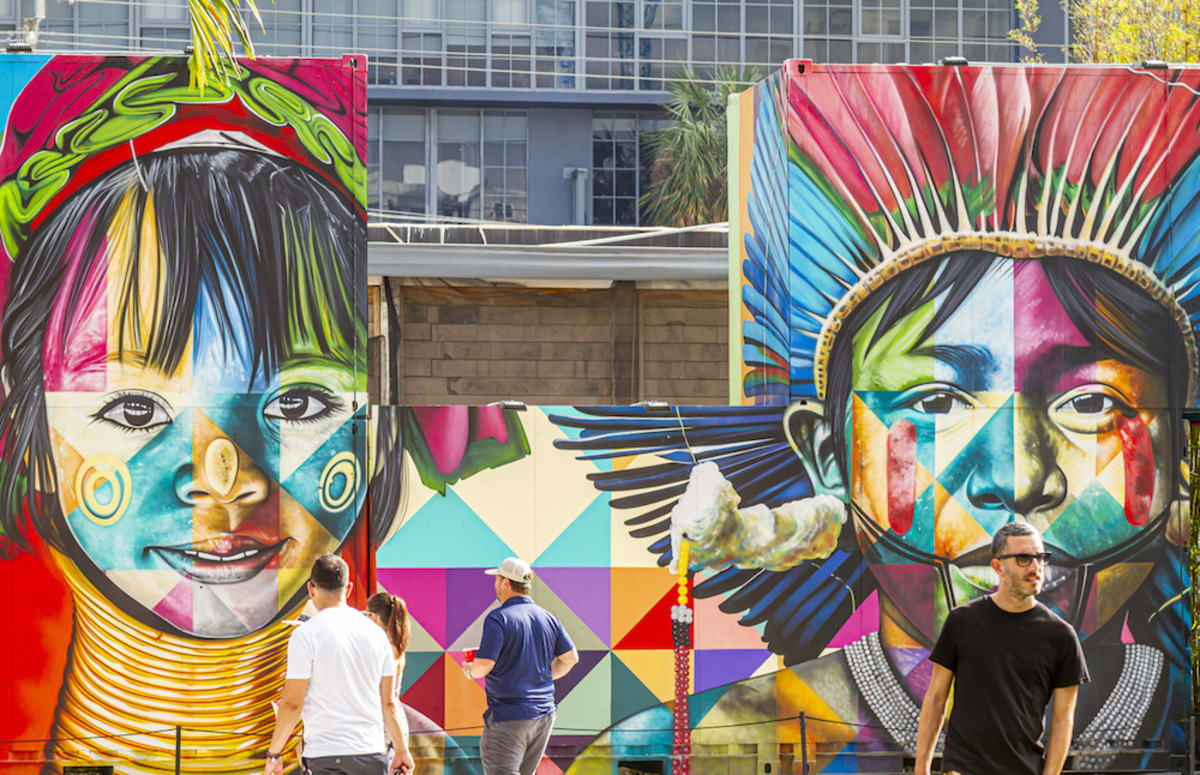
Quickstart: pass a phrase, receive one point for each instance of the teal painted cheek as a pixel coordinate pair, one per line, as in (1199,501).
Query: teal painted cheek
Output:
(154,516)
(1093,523)
(331,484)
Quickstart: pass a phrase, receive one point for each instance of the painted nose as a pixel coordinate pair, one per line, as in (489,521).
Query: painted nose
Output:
(220,477)
(1015,466)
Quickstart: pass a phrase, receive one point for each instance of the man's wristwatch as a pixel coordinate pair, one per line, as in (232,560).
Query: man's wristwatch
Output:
(271,755)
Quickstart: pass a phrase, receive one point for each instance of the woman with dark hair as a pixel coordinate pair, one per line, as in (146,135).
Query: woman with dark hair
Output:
(184,353)
(390,613)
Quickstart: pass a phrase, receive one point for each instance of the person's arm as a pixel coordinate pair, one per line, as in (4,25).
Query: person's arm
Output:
(401,759)
(489,644)
(563,663)
(286,716)
(933,712)
(479,668)
(1062,722)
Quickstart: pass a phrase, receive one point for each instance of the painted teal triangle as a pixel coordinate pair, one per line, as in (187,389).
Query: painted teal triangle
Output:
(444,533)
(629,695)
(586,541)
(415,665)
(1093,521)
(700,703)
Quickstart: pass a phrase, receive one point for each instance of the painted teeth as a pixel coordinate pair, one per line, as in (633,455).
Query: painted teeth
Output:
(207,557)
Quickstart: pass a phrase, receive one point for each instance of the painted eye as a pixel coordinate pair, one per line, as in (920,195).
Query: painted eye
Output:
(1089,403)
(939,402)
(299,405)
(135,413)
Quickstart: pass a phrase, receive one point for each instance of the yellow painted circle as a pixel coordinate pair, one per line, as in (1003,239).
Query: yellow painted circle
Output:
(92,475)
(345,466)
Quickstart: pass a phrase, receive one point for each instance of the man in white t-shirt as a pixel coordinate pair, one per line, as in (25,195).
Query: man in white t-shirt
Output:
(340,672)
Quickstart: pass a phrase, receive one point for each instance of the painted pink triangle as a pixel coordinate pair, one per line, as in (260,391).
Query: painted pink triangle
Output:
(913,588)
(1126,635)
(176,607)
(864,619)
(469,591)
(424,592)
(587,592)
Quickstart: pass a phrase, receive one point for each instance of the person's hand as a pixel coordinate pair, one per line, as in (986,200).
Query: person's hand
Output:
(273,767)
(402,762)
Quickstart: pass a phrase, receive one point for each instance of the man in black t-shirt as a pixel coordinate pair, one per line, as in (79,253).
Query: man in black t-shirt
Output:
(1006,655)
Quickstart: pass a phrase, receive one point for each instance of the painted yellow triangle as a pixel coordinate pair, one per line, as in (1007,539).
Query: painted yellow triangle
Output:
(1115,585)
(655,668)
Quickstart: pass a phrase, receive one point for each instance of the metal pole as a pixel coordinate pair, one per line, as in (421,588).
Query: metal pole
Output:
(803,746)
(178,749)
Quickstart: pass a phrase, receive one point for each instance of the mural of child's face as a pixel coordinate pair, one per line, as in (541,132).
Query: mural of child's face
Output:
(1007,412)
(204,494)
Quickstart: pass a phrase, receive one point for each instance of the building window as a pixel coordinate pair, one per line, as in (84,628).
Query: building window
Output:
(476,168)
(421,59)
(165,24)
(282,31)
(768,33)
(880,18)
(378,35)
(511,60)
(505,170)
(620,167)
(401,172)
(333,28)
(555,41)
(610,44)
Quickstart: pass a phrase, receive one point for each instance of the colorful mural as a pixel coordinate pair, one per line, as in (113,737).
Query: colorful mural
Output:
(184,369)
(530,494)
(968,295)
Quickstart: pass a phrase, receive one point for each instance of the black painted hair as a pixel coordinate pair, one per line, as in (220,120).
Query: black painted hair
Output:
(265,232)
(1114,315)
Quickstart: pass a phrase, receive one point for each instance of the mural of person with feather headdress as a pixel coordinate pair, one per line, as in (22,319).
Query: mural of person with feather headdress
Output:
(968,296)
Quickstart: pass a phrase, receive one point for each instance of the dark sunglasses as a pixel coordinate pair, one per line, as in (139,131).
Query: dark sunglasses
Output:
(1024,560)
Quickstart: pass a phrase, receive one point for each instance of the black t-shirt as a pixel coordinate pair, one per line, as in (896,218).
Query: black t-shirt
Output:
(1006,666)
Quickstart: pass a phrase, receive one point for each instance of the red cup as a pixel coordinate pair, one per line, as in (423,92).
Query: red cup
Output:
(470,655)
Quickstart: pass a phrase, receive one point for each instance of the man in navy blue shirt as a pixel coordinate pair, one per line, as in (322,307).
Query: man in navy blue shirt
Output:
(523,650)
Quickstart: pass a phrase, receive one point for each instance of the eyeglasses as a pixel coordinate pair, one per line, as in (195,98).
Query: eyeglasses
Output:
(1024,560)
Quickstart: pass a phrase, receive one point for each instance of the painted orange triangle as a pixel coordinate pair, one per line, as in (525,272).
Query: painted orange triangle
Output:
(630,587)
(465,701)
(654,629)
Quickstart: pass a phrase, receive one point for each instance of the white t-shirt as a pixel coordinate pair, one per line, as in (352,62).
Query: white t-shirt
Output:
(344,655)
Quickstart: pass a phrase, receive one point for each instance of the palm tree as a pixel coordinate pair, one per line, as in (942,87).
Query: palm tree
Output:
(688,179)
(214,25)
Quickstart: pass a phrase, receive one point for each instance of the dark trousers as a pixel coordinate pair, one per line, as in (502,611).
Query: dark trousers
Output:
(514,747)
(359,764)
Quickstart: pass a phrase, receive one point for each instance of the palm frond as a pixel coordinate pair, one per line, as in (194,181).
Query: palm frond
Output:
(214,25)
(688,176)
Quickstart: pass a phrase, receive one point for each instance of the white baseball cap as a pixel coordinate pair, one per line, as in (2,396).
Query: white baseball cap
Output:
(513,569)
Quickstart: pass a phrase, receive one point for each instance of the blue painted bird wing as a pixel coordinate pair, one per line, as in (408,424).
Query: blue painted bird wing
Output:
(799,609)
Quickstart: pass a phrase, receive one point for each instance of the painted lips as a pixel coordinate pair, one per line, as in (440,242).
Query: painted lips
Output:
(228,562)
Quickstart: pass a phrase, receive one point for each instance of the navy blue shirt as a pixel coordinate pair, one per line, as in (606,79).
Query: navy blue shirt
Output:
(523,639)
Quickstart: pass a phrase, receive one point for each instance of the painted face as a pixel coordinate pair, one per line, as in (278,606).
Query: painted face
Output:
(204,494)
(1004,412)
